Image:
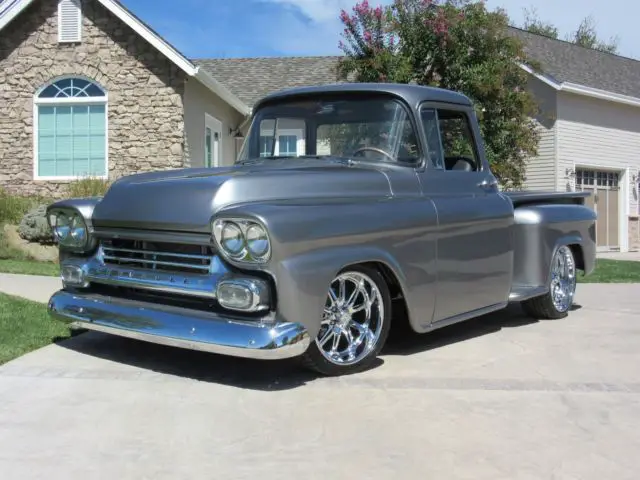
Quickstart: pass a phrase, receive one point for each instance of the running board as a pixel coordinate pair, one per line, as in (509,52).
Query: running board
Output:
(518,294)
(467,316)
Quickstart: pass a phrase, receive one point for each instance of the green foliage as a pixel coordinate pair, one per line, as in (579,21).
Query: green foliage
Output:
(88,187)
(585,35)
(533,24)
(13,207)
(453,44)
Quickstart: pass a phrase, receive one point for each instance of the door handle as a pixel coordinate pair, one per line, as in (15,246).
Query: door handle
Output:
(488,184)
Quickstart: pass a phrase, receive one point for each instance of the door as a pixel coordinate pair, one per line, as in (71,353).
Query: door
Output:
(212,141)
(605,189)
(474,248)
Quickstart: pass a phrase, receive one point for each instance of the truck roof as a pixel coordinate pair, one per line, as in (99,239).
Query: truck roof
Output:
(412,94)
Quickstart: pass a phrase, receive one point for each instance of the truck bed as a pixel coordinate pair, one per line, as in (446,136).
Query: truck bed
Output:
(530,197)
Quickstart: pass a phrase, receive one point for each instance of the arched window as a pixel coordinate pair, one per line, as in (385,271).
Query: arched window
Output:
(70,130)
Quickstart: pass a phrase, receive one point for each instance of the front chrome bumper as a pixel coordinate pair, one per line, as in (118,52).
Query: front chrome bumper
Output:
(179,327)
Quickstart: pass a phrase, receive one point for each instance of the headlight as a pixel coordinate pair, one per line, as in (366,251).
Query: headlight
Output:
(69,229)
(232,239)
(242,240)
(257,241)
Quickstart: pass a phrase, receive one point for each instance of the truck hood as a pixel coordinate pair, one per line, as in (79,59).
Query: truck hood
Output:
(186,200)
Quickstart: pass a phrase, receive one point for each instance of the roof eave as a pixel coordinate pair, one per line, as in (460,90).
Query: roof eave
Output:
(583,90)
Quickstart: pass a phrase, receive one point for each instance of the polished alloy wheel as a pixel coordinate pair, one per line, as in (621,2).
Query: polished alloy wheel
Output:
(563,279)
(353,319)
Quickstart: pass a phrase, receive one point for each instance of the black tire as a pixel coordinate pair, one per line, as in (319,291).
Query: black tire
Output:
(315,360)
(543,307)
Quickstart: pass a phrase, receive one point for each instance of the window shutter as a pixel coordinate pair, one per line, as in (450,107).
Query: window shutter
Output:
(69,20)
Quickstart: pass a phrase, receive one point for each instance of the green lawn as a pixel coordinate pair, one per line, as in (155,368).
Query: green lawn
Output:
(29,267)
(613,271)
(26,326)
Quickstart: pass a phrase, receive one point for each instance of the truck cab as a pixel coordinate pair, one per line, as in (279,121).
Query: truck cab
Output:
(350,209)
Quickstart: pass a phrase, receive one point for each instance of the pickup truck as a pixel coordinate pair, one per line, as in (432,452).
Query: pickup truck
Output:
(351,209)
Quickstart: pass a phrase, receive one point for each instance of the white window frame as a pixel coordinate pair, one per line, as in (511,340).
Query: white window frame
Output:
(297,132)
(38,102)
(78,38)
(210,120)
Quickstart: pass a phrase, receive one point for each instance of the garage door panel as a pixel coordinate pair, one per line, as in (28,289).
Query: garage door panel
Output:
(605,201)
(612,218)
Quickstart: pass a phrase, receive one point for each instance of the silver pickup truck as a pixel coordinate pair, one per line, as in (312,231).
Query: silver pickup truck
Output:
(350,210)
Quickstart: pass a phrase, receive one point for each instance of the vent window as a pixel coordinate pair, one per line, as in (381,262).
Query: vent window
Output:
(69,21)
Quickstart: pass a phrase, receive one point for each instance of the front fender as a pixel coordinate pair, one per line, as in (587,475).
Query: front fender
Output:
(312,240)
(303,280)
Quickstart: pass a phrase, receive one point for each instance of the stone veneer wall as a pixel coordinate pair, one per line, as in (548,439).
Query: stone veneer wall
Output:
(145,91)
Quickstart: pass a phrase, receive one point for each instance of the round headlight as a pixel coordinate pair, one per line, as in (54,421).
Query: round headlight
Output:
(257,241)
(70,229)
(232,239)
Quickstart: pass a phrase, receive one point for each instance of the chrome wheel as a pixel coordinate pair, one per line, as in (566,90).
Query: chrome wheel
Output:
(563,279)
(353,319)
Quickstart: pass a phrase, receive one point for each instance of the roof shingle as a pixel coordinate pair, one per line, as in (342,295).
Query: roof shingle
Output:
(561,61)
(252,78)
(567,62)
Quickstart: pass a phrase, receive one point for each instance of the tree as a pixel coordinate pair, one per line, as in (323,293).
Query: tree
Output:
(453,44)
(585,35)
(533,24)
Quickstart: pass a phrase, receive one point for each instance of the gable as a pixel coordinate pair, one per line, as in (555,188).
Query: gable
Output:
(11,9)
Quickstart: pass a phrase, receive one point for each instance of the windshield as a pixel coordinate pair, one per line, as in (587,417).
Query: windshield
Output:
(373,128)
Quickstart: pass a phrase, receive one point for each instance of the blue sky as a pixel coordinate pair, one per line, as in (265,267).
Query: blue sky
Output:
(248,28)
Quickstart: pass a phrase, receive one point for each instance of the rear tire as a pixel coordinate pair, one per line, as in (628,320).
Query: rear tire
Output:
(355,324)
(557,302)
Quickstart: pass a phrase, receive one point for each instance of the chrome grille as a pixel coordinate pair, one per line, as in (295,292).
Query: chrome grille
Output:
(170,257)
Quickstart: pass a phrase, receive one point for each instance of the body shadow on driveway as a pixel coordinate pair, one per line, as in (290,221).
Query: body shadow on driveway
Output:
(272,375)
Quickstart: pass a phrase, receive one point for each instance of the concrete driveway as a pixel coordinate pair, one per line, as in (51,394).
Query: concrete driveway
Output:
(498,397)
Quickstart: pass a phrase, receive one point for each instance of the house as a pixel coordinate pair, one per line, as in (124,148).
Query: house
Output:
(87,88)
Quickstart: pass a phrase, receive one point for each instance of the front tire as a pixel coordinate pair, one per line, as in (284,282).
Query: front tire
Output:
(562,286)
(355,323)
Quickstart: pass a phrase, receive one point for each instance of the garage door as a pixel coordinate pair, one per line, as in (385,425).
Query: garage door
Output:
(605,201)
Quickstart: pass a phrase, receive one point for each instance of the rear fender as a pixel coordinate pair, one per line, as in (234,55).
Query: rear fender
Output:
(539,230)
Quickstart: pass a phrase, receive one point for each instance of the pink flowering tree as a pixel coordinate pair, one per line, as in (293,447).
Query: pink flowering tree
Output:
(454,44)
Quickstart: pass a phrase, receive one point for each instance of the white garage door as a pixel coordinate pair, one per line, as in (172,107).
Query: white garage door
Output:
(605,201)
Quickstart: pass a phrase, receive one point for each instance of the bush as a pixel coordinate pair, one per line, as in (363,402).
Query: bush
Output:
(88,187)
(34,226)
(13,207)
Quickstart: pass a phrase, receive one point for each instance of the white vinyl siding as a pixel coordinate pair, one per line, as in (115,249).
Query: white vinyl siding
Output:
(603,136)
(600,134)
(541,169)
(69,21)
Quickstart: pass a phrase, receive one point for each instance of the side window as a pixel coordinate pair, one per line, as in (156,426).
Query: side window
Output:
(457,141)
(431,132)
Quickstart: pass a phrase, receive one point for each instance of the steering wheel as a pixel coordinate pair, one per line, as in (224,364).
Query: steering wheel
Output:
(374,149)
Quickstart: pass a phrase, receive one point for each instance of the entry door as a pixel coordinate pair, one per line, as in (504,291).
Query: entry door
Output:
(605,189)
(212,141)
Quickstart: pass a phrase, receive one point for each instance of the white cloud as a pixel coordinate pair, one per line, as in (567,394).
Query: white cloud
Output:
(320,11)
(320,34)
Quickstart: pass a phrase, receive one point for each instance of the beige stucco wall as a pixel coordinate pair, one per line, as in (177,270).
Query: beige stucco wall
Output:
(145,107)
(198,101)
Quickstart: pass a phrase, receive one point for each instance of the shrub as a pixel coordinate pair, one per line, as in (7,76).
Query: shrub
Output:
(13,207)
(88,187)
(34,226)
